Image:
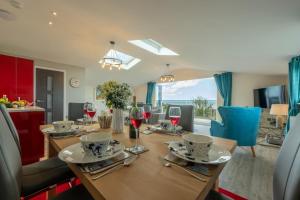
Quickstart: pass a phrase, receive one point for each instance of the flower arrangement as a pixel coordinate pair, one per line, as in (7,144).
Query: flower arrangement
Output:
(116,94)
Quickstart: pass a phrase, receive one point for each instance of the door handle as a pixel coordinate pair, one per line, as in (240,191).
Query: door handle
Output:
(40,101)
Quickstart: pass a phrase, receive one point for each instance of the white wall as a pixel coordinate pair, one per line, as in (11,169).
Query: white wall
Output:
(244,84)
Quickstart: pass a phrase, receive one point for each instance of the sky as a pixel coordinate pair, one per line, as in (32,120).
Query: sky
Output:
(191,89)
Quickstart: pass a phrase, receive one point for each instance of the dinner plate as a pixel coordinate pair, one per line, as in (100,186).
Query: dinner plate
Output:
(166,130)
(75,154)
(52,132)
(216,154)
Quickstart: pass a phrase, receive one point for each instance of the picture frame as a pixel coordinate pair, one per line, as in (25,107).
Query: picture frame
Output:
(97,95)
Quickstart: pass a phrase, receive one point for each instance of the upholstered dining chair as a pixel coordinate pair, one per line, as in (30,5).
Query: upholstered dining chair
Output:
(187,116)
(75,111)
(25,181)
(238,123)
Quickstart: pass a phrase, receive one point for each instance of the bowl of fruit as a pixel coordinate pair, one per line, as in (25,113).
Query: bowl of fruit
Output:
(4,100)
(19,103)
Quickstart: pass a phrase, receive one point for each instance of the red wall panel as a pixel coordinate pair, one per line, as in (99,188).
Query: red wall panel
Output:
(25,79)
(16,77)
(8,80)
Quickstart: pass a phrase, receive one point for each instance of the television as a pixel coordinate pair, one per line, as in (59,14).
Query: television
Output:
(265,97)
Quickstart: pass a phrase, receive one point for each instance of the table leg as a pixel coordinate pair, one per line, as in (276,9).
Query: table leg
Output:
(216,185)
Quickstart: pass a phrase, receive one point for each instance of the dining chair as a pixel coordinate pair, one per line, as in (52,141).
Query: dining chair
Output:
(75,111)
(25,181)
(286,177)
(238,123)
(187,116)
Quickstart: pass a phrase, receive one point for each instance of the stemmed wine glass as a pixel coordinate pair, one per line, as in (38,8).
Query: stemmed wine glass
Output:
(85,111)
(136,119)
(91,111)
(174,115)
(147,112)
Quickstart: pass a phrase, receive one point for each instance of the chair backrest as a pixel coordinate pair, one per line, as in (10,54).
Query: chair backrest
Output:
(10,163)
(11,126)
(241,123)
(75,111)
(140,104)
(187,116)
(286,178)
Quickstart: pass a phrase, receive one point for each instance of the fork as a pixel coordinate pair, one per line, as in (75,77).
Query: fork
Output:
(126,162)
(168,164)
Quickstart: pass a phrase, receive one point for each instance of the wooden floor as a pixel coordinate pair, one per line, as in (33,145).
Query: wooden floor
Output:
(250,177)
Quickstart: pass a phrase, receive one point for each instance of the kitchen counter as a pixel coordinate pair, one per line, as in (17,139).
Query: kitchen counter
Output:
(26,109)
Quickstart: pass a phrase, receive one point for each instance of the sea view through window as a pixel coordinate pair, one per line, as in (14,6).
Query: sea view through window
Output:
(202,93)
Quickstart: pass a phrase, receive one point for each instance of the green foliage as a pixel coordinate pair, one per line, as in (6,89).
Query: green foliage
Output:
(203,108)
(115,94)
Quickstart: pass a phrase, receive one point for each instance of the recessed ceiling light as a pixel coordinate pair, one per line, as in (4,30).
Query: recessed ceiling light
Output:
(50,23)
(54,13)
(154,47)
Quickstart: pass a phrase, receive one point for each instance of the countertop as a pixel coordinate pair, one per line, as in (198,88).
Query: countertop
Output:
(26,109)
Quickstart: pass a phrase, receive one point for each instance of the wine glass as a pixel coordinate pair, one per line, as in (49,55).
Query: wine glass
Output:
(91,111)
(174,115)
(147,112)
(136,119)
(85,111)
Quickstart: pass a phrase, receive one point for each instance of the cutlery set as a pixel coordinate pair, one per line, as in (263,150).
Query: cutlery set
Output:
(127,162)
(169,164)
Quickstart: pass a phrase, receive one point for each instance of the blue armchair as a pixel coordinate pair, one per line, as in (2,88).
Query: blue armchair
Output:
(238,123)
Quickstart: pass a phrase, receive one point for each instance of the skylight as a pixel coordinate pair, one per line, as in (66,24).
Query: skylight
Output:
(128,61)
(154,47)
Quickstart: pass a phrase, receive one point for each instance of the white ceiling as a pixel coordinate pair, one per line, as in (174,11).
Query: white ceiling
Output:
(255,36)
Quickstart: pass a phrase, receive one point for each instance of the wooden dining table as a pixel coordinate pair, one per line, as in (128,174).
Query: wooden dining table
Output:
(146,178)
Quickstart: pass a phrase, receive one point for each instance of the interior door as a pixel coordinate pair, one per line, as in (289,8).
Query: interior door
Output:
(50,93)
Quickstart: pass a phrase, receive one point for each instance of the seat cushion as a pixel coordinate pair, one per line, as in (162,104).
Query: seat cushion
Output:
(41,175)
(75,193)
(213,195)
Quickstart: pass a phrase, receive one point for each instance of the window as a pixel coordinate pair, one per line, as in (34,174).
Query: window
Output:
(153,47)
(202,93)
(128,61)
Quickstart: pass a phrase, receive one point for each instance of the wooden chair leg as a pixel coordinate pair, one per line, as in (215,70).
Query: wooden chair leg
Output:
(253,152)
(216,185)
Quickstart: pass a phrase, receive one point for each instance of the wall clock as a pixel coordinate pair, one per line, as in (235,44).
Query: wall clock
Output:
(74,82)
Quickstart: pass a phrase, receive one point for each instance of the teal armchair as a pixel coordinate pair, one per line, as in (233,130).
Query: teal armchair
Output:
(238,123)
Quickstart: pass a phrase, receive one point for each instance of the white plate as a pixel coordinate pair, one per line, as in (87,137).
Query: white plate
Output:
(75,154)
(216,155)
(53,132)
(160,129)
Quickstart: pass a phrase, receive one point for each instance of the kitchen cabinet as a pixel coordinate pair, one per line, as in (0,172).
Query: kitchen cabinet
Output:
(16,78)
(27,122)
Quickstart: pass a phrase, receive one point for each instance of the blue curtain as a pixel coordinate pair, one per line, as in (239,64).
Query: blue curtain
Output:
(294,87)
(150,90)
(224,84)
